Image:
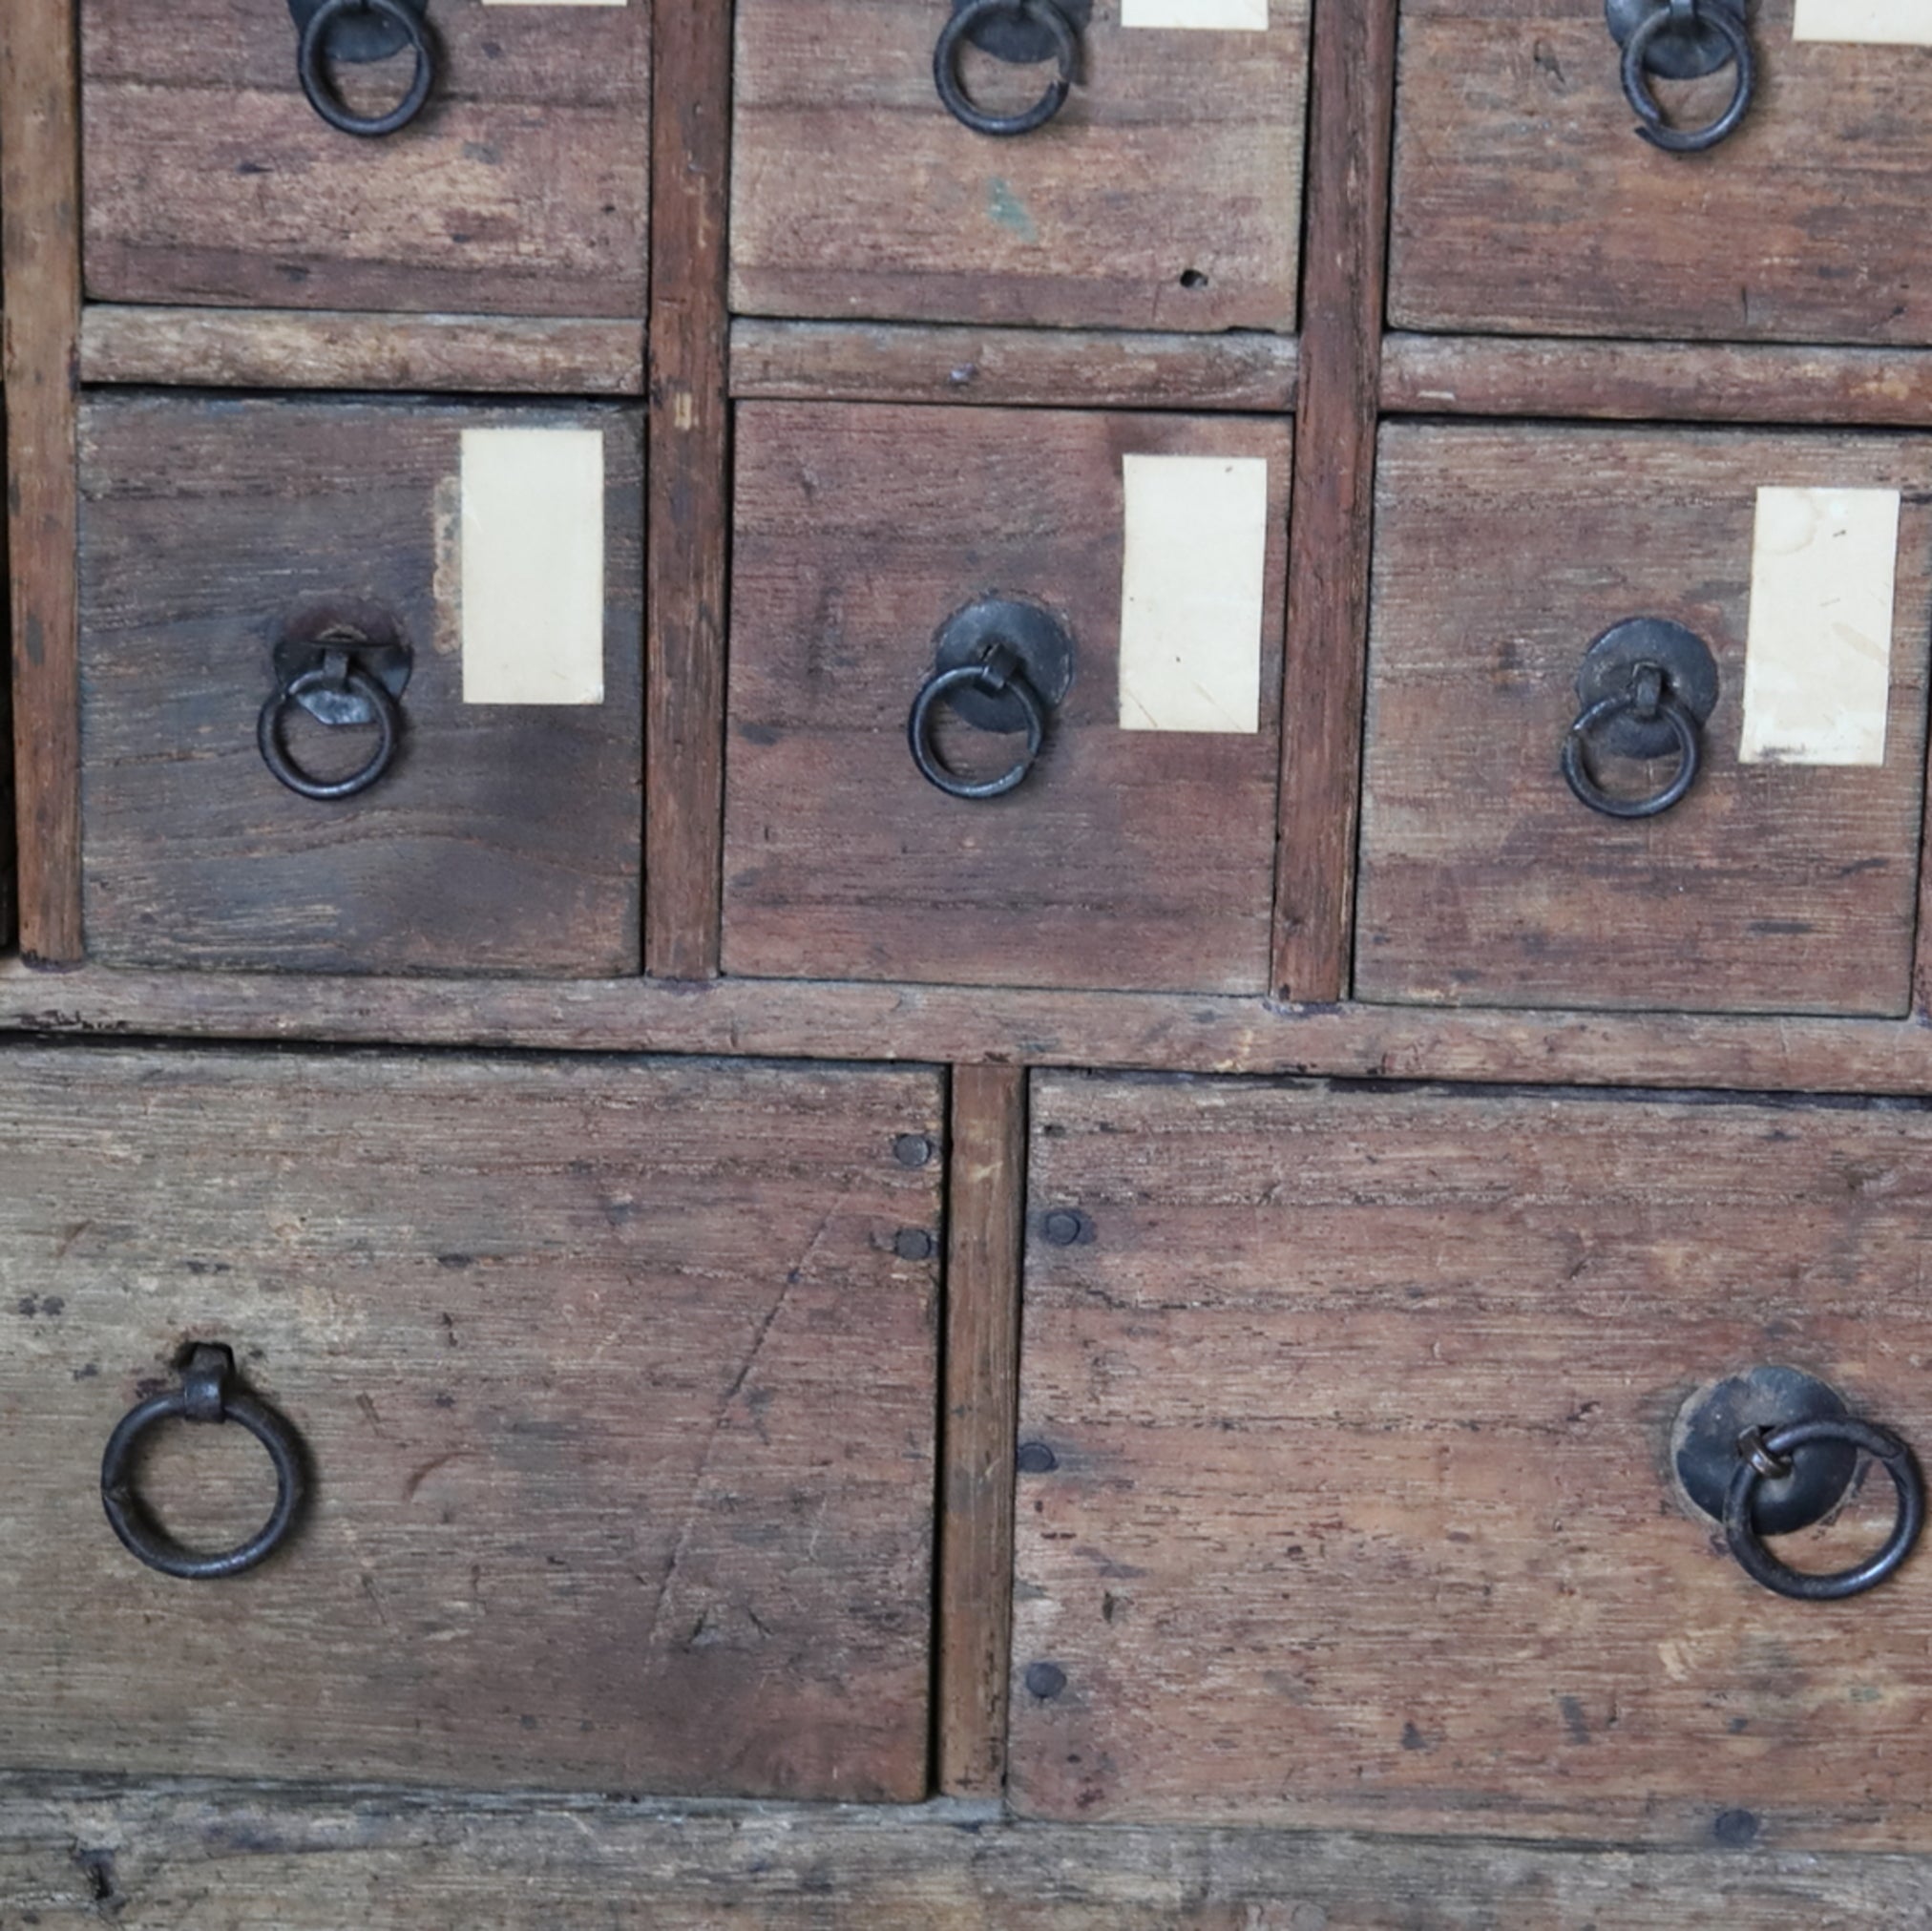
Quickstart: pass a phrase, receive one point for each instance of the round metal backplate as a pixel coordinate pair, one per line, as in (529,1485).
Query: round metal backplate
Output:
(1674,57)
(1690,671)
(1705,1447)
(361,35)
(366,631)
(1013,35)
(1042,643)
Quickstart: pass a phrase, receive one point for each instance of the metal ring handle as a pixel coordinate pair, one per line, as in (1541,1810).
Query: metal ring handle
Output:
(1575,768)
(312,52)
(1762,1566)
(953,89)
(206,1395)
(373,691)
(1637,81)
(919,730)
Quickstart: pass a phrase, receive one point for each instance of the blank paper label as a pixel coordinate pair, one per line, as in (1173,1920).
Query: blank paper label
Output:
(533,564)
(1877,23)
(1195,554)
(1250,16)
(1818,667)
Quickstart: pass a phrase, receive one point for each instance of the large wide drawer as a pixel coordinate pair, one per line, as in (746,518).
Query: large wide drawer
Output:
(614,1381)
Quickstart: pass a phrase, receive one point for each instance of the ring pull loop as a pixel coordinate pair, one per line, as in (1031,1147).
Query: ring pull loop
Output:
(970,19)
(998,675)
(1683,39)
(321,42)
(208,1394)
(1646,688)
(1646,700)
(334,685)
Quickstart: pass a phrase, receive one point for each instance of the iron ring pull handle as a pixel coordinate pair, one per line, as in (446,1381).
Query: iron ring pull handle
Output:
(1685,17)
(312,53)
(1648,697)
(971,17)
(330,675)
(1764,1454)
(207,1394)
(998,675)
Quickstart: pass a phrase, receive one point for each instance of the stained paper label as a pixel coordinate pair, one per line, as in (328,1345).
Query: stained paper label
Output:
(1818,667)
(1194,556)
(1249,16)
(531,567)
(1875,22)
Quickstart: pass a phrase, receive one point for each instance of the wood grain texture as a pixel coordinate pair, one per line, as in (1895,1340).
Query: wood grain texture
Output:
(1364,1513)
(1501,553)
(237,1859)
(690,517)
(1352,100)
(10,898)
(1014,368)
(506,837)
(986,1209)
(1526,203)
(293,348)
(1131,859)
(619,1398)
(520,188)
(1165,194)
(40,221)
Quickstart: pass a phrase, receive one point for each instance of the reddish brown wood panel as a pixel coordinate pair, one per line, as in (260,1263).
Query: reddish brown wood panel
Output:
(1362,1511)
(619,1383)
(519,189)
(1525,200)
(1127,858)
(1165,194)
(506,838)
(1501,553)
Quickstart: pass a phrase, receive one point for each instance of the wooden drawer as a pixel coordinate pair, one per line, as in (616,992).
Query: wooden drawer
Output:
(1502,553)
(506,835)
(1347,1439)
(1129,856)
(1525,200)
(1164,194)
(521,187)
(617,1383)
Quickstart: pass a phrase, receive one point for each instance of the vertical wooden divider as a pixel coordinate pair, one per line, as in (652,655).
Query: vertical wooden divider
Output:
(40,202)
(986,1209)
(1352,96)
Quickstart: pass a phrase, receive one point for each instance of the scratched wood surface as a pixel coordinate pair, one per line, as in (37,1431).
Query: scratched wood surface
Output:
(1526,203)
(519,189)
(507,838)
(618,1385)
(1164,195)
(1361,1512)
(1499,555)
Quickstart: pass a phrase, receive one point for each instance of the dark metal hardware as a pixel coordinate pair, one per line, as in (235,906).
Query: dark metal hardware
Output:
(341,679)
(360,31)
(1025,31)
(208,1393)
(1065,1227)
(1646,688)
(1682,40)
(1002,663)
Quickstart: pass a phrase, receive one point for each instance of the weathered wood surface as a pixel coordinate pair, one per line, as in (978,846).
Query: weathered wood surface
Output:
(8,890)
(1363,1513)
(1525,200)
(618,1382)
(1500,553)
(519,189)
(1165,194)
(1139,860)
(293,348)
(507,838)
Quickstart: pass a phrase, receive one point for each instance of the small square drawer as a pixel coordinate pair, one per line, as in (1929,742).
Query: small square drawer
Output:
(603,1391)
(1528,196)
(361,685)
(887,161)
(516,183)
(1004,697)
(1777,588)
(1365,1446)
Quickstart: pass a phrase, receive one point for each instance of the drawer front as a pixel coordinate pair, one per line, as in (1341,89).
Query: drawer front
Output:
(1126,856)
(1777,883)
(561,1341)
(1524,199)
(501,836)
(1347,1448)
(1165,193)
(520,188)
